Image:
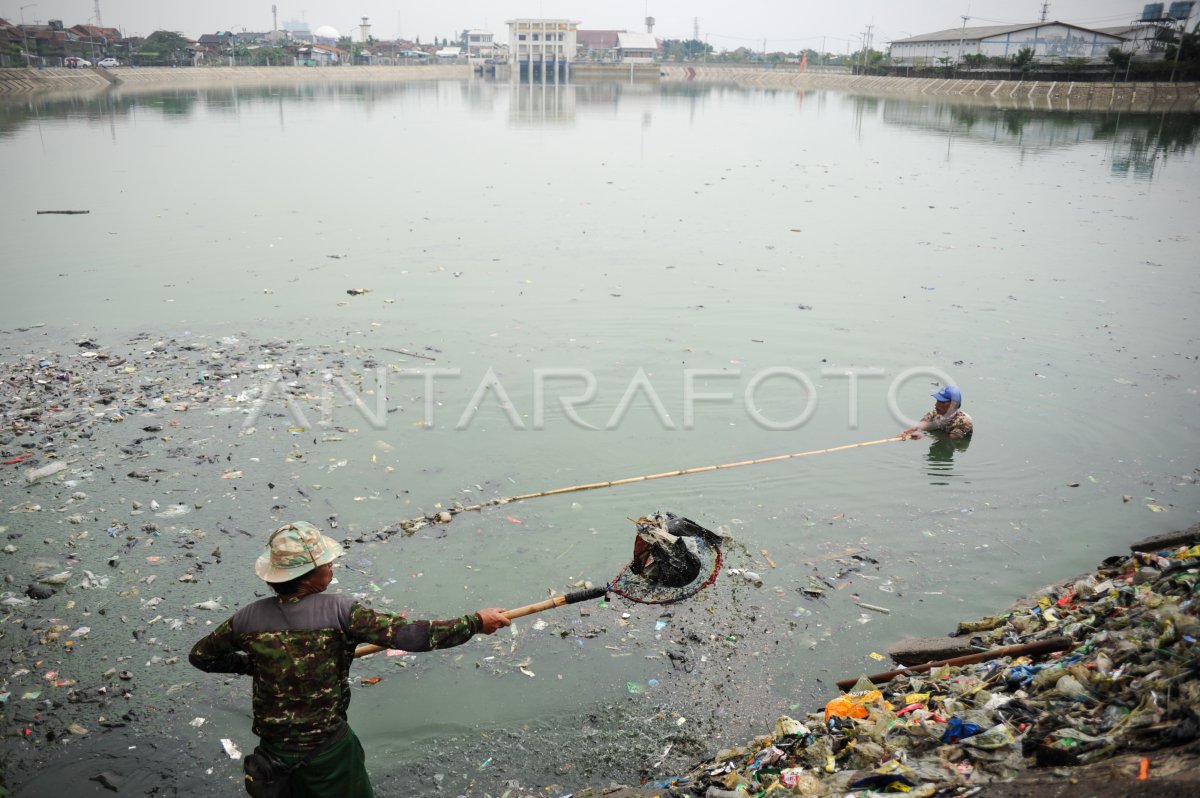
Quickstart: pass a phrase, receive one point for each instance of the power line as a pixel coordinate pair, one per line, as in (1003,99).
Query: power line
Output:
(774,39)
(1110,18)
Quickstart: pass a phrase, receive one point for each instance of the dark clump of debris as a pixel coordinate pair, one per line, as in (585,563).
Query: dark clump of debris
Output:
(1125,684)
(667,551)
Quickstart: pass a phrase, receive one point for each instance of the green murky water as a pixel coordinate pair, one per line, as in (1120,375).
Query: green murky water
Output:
(706,275)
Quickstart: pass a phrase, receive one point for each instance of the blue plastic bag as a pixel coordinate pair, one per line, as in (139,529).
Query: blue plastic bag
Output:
(957,729)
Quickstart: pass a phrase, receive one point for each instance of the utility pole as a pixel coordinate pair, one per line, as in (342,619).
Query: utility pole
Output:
(866,47)
(25,34)
(962,37)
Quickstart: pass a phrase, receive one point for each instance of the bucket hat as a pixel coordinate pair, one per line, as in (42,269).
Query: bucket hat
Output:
(949,394)
(293,550)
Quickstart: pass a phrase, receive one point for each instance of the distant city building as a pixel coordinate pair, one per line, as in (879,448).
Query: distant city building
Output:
(1048,41)
(480,44)
(96,33)
(637,48)
(542,44)
(297,30)
(319,55)
(215,41)
(326,34)
(597,45)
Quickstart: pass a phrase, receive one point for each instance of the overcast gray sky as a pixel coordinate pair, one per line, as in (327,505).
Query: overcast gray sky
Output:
(727,24)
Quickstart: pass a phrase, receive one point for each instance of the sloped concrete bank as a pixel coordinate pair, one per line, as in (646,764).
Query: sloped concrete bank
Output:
(25,81)
(1048,95)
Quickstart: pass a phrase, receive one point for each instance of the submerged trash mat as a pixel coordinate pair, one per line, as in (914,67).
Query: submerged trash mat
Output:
(673,559)
(1127,683)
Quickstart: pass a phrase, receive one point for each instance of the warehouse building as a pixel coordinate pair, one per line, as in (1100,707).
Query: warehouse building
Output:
(1049,41)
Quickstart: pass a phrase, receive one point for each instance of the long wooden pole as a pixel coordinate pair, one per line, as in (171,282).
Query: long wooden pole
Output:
(417,522)
(1046,646)
(519,612)
(698,470)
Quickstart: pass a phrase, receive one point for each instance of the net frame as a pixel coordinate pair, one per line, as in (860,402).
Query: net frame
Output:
(638,589)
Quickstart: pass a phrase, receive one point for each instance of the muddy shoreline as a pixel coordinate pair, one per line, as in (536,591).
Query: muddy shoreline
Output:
(1145,751)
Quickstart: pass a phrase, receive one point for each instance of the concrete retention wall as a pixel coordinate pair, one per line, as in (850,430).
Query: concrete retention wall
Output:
(1004,93)
(1057,95)
(18,81)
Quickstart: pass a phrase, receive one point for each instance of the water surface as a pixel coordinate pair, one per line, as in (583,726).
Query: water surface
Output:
(1043,261)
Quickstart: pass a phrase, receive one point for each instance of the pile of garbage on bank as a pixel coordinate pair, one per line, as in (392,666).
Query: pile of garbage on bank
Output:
(1126,681)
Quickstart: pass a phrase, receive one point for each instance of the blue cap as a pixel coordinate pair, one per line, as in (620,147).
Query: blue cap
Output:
(949,394)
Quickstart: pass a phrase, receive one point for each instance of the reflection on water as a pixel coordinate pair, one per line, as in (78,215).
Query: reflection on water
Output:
(185,102)
(1135,150)
(941,457)
(1137,141)
(538,103)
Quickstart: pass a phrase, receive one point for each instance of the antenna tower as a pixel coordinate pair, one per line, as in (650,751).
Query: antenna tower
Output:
(1045,11)
(696,28)
(99,21)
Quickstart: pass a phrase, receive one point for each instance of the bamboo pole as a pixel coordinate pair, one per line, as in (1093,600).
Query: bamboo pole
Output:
(418,522)
(698,470)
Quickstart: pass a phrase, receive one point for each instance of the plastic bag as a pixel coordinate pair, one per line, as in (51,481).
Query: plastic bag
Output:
(957,729)
(854,705)
(998,736)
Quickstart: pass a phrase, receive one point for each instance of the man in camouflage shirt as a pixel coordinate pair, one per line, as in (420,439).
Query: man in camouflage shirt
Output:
(298,646)
(946,417)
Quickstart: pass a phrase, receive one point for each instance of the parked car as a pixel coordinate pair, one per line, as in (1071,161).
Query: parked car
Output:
(75,61)
(108,62)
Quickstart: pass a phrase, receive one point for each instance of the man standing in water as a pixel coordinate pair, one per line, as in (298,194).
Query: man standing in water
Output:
(298,646)
(946,417)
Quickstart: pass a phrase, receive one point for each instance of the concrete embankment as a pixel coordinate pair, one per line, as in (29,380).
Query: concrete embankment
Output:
(1049,95)
(25,81)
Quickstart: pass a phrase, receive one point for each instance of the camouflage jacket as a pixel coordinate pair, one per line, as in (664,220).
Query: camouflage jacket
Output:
(299,652)
(958,427)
